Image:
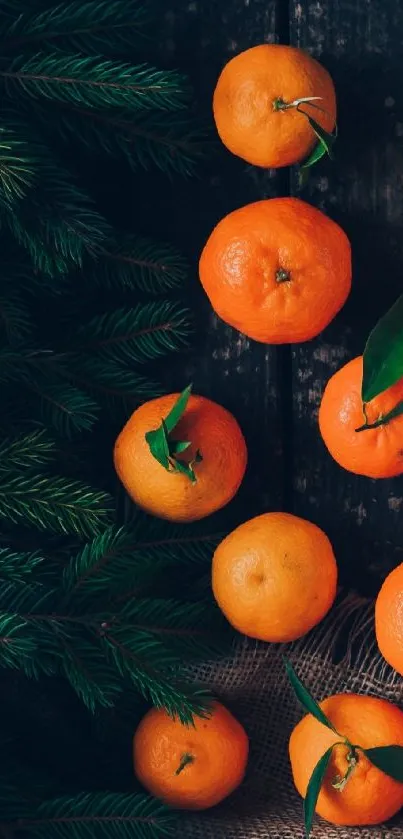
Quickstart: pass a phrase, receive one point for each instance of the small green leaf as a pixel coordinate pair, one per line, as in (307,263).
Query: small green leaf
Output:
(177,446)
(186,469)
(158,443)
(175,414)
(166,450)
(327,140)
(305,698)
(389,759)
(383,419)
(318,152)
(313,790)
(383,354)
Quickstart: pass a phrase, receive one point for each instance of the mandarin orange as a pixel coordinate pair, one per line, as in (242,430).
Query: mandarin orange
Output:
(277,270)
(190,767)
(368,796)
(275,577)
(215,455)
(256,104)
(389,619)
(376,452)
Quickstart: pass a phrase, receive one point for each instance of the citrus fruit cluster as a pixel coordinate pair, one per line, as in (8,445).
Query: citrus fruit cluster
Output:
(279,270)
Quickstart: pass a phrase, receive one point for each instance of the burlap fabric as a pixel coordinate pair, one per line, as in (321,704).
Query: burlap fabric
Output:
(339,656)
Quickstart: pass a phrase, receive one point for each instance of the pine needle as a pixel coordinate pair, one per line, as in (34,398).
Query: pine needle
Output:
(94,82)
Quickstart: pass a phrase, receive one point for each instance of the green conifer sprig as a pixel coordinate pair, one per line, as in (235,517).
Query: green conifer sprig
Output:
(77,336)
(81,27)
(102,815)
(94,82)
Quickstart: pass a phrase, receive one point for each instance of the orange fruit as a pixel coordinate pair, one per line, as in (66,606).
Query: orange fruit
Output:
(211,430)
(277,270)
(389,619)
(255,104)
(369,796)
(376,452)
(192,768)
(275,577)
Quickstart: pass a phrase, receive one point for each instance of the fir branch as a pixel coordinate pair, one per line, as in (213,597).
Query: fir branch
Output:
(124,561)
(64,407)
(18,567)
(15,320)
(96,652)
(85,667)
(116,385)
(17,171)
(55,220)
(193,630)
(133,262)
(16,644)
(13,364)
(53,503)
(174,146)
(94,82)
(140,334)
(93,26)
(26,451)
(139,657)
(101,815)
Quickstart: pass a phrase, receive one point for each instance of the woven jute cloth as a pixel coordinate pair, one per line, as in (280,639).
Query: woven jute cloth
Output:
(339,656)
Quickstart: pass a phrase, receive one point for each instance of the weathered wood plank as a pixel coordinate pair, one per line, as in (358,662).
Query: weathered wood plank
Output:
(200,37)
(361,44)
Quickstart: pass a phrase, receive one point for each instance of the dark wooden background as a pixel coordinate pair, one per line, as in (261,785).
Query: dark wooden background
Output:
(274,392)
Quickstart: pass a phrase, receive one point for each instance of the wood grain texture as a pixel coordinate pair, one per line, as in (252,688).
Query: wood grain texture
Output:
(361,43)
(200,37)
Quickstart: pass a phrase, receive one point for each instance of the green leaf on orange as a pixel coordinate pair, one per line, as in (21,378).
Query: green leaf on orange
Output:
(383,419)
(318,152)
(314,787)
(176,413)
(383,354)
(306,699)
(164,449)
(389,759)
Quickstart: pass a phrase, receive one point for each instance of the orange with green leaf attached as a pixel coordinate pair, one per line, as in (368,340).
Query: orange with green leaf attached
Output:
(347,758)
(190,767)
(272,104)
(363,437)
(181,456)
(361,413)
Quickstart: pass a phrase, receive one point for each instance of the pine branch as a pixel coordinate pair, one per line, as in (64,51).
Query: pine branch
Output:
(17,172)
(26,451)
(18,567)
(85,667)
(94,82)
(101,815)
(15,320)
(192,630)
(174,146)
(53,503)
(92,27)
(138,658)
(136,335)
(54,220)
(64,407)
(115,385)
(124,561)
(133,262)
